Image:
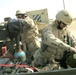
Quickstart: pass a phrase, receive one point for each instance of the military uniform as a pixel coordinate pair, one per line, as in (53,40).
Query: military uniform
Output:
(55,42)
(29,38)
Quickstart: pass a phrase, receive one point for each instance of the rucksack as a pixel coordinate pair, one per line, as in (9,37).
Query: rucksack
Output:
(15,27)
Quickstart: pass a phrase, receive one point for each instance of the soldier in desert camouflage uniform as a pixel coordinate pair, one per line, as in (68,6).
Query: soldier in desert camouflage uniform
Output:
(29,37)
(55,39)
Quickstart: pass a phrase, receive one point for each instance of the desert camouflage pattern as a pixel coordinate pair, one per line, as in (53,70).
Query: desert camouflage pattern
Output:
(29,38)
(56,42)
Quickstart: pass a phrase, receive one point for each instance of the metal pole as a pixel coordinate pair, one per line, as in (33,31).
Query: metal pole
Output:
(63,4)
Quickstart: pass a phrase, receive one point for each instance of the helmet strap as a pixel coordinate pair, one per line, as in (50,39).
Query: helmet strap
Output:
(58,26)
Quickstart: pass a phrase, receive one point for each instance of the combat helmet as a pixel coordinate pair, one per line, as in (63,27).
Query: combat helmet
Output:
(19,12)
(64,17)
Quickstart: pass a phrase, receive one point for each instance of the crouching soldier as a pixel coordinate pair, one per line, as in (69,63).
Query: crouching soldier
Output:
(55,46)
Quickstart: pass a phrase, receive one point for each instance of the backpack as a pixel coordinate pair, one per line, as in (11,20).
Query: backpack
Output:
(71,60)
(15,27)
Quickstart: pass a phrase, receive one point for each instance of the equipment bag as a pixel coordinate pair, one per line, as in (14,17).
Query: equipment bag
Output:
(15,27)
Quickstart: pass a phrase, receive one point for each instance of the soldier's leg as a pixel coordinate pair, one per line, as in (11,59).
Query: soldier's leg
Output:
(32,47)
(41,66)
(39,59)
(51,66)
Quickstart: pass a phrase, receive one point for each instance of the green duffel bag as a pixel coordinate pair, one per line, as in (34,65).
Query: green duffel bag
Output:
(71,59)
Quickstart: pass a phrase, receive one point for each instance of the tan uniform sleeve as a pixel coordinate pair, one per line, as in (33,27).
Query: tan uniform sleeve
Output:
(29,23)
(50,40)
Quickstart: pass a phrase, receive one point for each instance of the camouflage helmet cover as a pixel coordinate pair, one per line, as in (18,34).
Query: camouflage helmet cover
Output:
(64,16)
(20,12)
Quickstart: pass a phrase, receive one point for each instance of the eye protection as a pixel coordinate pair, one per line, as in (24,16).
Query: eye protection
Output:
(64,24)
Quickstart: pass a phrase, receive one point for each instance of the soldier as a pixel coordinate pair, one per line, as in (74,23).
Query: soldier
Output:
(29,37)
(54,43)
(20,14)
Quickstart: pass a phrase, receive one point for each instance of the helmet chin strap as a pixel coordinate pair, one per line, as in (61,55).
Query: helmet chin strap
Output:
(58,26)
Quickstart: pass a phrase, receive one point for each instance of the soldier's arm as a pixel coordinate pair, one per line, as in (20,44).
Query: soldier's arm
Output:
(51,40)
(29,23)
